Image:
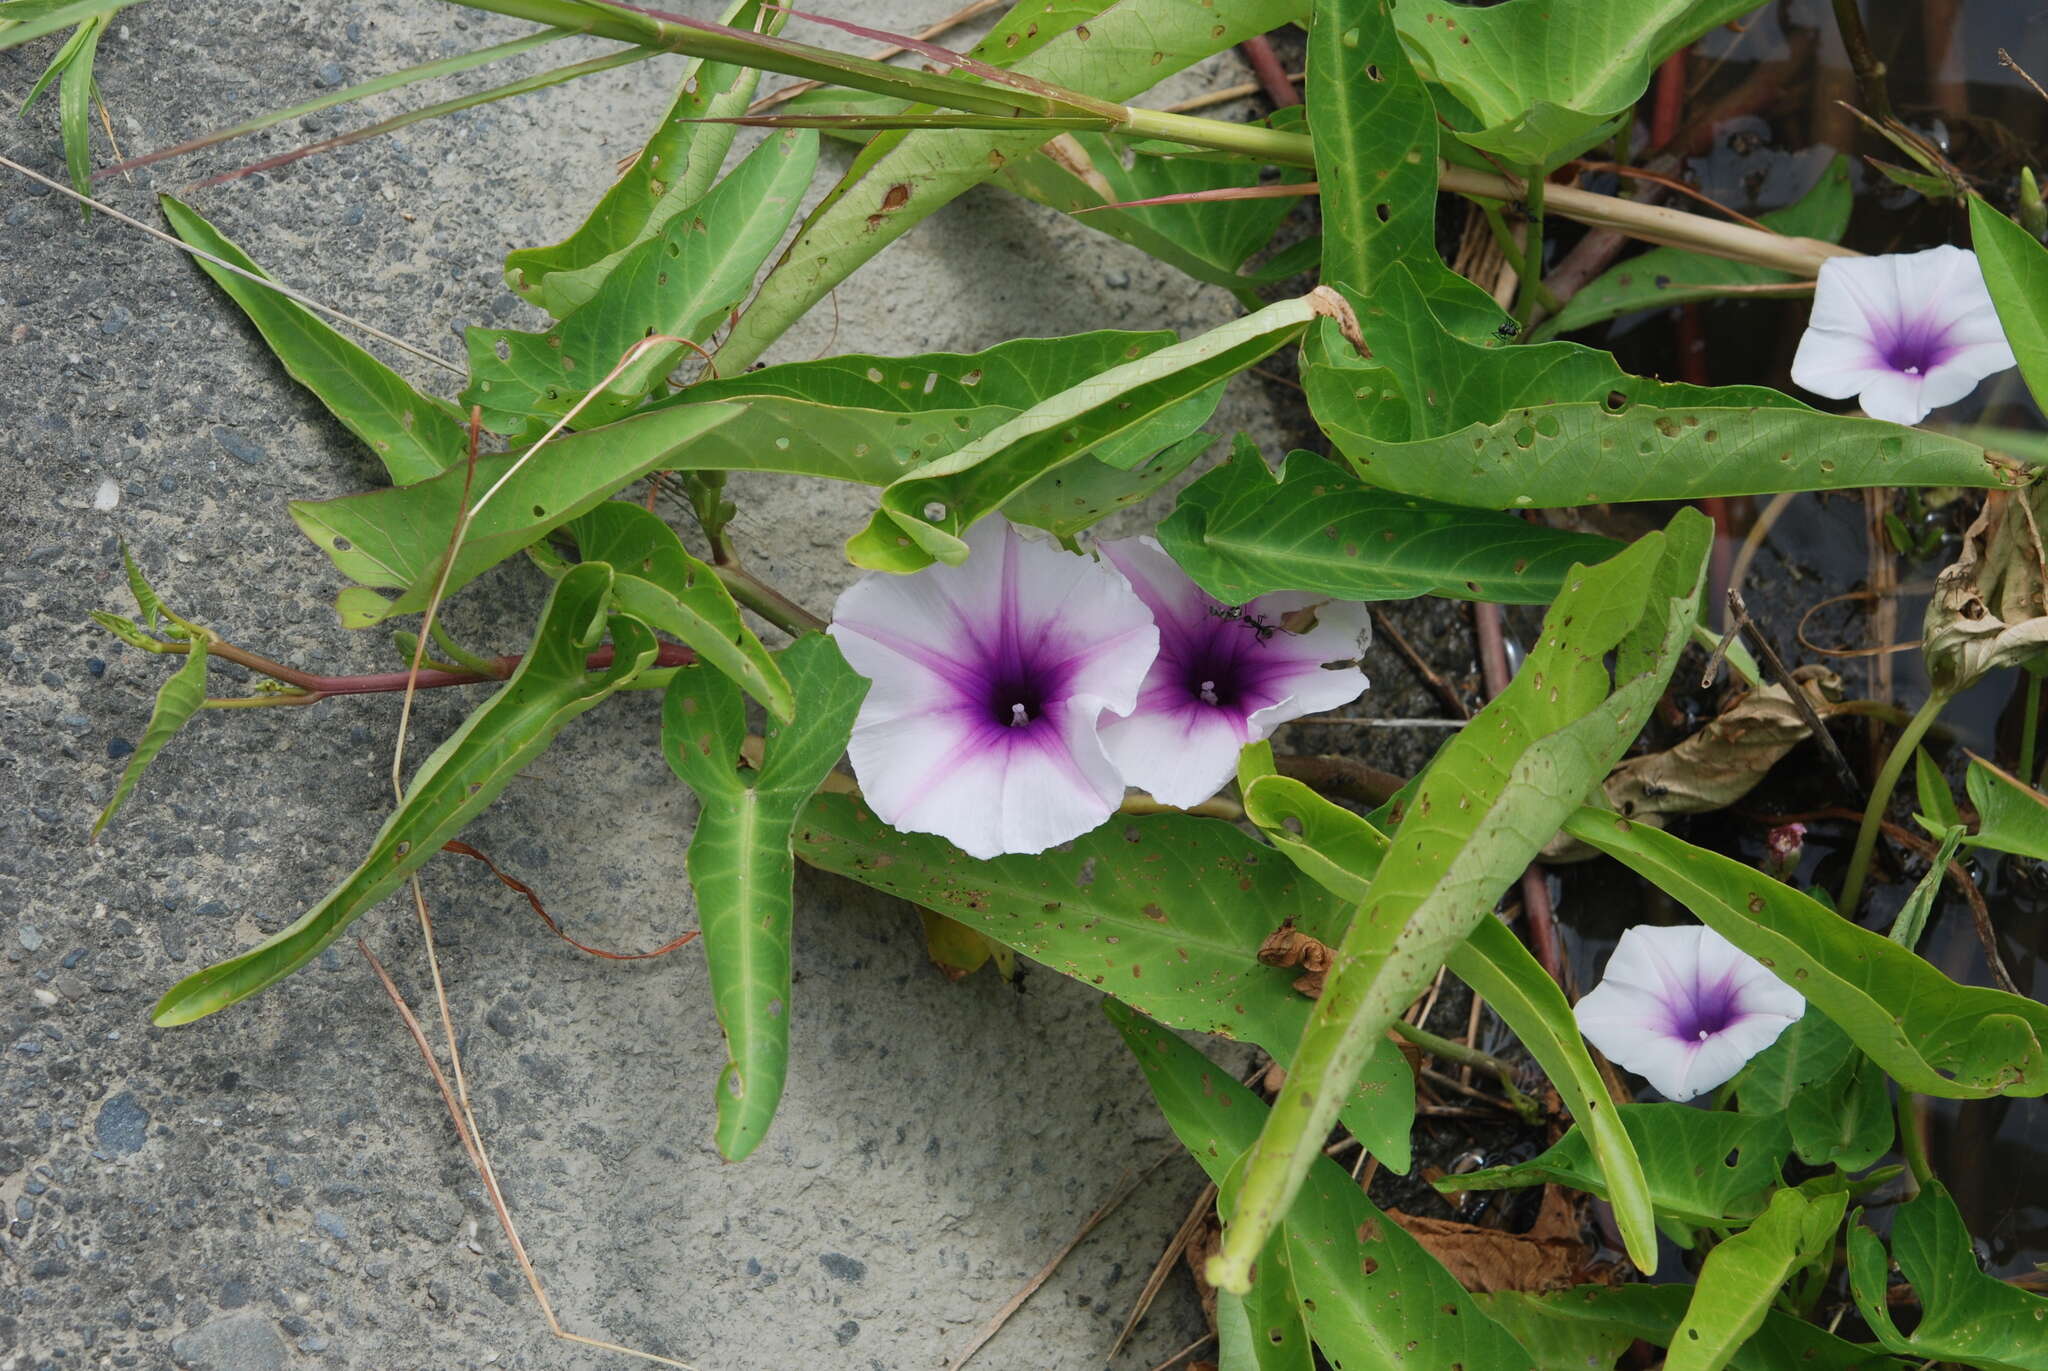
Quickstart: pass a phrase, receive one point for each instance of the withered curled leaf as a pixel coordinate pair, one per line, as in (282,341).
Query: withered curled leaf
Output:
(1718,765)
(1990,607)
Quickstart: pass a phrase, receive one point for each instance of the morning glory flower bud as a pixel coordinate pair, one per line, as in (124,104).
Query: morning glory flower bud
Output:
(1685,1008)
(1905,333)
(990,680)
(1226,675)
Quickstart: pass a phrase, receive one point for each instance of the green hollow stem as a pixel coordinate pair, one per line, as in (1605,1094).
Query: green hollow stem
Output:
(1650,223)
(1532,254)
(652,28)
(1881,796)
(1912,1112)
(766,601)
(1449,1050)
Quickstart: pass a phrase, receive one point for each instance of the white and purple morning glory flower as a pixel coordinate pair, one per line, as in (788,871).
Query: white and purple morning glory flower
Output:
(990,680)
(1684,1008)
(1905,333)
(1226,675)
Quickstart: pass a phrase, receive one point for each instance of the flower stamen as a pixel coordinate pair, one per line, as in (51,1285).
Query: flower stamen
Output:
(1208,693)
(1019,716)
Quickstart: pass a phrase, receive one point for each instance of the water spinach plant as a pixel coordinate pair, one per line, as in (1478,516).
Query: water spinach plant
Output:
(1059,745)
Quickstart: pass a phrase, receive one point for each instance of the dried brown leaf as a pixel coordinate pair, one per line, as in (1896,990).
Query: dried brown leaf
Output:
(1990,607)
(1718,765)
(1289,946)
(1550,1256)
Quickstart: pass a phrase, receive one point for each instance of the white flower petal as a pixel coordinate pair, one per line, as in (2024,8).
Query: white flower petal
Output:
(1685,1008)
(1083,614)
(1612,1016)
(985,789)
(1179,756)
(1175,600)
(1908,332)
(1897,397)
(1836,365)
(945,648)
(1182,741)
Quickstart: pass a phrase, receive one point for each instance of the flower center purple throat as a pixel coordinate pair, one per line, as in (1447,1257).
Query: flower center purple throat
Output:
(1015,702)
(1916,348)
(1708,1010)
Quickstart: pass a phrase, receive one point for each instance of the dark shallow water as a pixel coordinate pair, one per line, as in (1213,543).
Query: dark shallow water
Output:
(1783,76)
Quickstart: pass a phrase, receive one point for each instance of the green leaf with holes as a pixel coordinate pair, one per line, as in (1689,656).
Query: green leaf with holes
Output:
(415,436)
(663,586)
(1665,277)
(1080,494)
(1151,910)
(550,687)
(1705,1168)
(1373,1298)
(1082,173)
(675,168)
(1568,1324)
(1343,853)
(1547,425)
(1743,1275)
(1929,1034)
(903,176)
(740,864)
(1375,135)
(395,539)
(924,514)
(684,282)
(1544,81)
(1833,1098)
(1494,795)
(1242,532)
(1967,1316)
(1264,1331)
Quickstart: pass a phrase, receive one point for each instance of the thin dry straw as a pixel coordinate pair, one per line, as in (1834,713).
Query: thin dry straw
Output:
(308,301)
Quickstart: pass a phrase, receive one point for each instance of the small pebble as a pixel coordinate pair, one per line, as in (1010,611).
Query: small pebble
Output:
(238,447)
(107,496)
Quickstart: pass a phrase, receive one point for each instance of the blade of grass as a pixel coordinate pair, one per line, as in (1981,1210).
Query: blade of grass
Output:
(526,85)
(397,80)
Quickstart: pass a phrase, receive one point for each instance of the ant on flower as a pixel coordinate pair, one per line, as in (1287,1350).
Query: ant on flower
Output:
(1256,622)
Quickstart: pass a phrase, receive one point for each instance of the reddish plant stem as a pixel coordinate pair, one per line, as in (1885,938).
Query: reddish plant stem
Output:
(1272,75)
(1344,777)
(1537,912)
(316,687)
(1669,97)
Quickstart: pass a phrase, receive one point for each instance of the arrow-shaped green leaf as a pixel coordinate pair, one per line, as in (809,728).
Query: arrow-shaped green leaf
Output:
(740,863)
(454,785)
